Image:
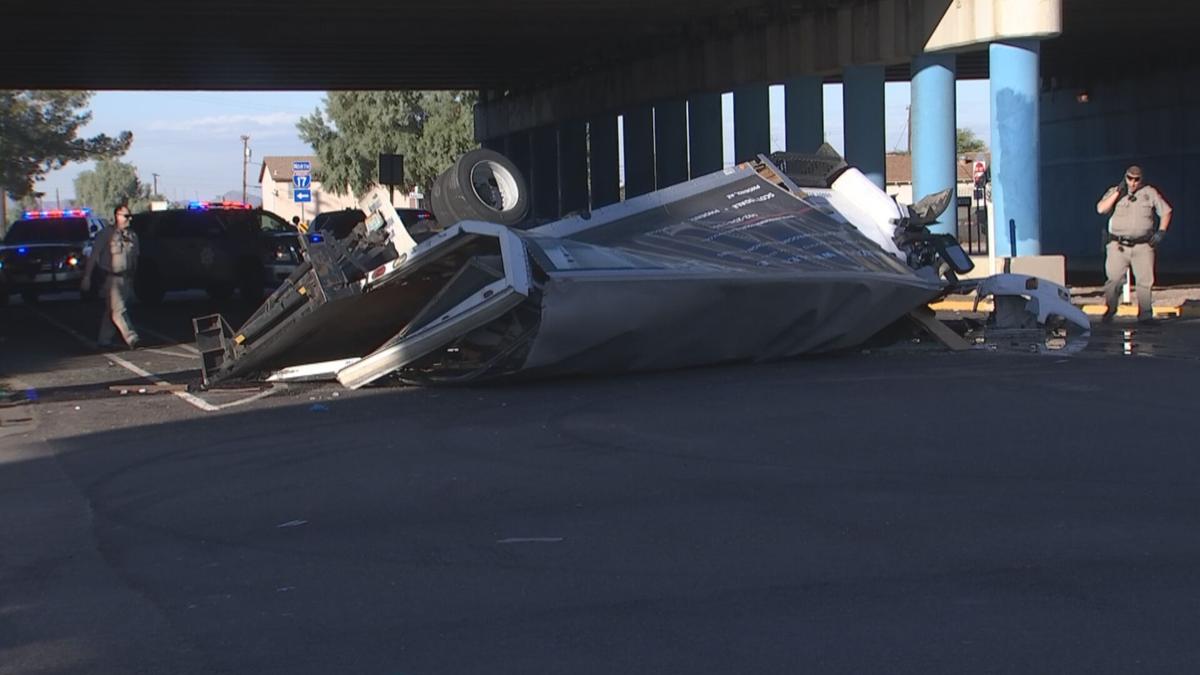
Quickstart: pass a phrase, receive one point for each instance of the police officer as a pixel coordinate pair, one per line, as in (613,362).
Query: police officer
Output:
(1132,238)
(115,252)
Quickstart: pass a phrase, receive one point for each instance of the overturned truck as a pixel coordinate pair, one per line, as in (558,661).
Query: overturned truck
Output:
(786,255)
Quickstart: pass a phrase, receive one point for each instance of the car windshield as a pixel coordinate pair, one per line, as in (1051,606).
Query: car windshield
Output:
(47,230)
(338,222)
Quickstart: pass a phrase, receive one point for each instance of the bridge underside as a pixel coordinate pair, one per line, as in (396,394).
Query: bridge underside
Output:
(522,45)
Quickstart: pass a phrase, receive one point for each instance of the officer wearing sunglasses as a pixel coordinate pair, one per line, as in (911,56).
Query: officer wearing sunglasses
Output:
(1132,237)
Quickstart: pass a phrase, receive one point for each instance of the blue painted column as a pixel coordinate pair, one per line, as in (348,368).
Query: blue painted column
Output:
(1016,180)
(705,135)
(639,151)
(862,112)
(670,143)
(604,160)
(934,135)
(751,122)
(572,166)
(804,113)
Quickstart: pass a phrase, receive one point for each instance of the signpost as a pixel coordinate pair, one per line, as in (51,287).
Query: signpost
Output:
(302,184)
(979,174)
(391,172)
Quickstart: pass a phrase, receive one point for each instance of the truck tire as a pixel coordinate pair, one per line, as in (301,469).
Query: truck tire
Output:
(481,185)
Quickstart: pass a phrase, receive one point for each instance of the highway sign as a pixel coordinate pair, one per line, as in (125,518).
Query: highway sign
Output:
(302,181)
(301,195)
(301,166)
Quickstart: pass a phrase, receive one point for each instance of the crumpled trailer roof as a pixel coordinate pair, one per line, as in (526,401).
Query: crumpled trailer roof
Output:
(739,265)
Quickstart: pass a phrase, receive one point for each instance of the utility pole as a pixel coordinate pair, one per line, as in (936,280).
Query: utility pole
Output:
(245,161)
(155,184)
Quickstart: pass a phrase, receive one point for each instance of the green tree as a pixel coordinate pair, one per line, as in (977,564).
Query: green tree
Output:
(968,143)
(431,129)
(109,185)
(38,133)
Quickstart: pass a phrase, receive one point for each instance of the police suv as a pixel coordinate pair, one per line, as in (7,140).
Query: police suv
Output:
(46,252)
(218,247)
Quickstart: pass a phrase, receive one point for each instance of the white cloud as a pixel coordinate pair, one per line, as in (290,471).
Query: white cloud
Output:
(228,123)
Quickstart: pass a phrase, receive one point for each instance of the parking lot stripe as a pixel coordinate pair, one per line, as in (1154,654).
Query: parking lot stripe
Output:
(133,368)
(164,338)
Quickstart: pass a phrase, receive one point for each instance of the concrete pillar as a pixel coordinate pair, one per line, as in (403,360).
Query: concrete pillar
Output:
(804,113)
(934,133)
(572,166)
(705,142)
(670,143)
(862,108)
(604,160)
(639,151)
(544,181)
(1016,180)
(751,122)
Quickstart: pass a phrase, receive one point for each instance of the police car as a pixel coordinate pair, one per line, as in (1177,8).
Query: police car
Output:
(46,252)
(218,247)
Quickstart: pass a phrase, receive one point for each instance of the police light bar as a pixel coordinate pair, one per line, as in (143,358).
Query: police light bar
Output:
(204,206)
(56,213)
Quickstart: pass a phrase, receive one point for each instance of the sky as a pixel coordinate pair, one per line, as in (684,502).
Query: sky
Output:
(192,140)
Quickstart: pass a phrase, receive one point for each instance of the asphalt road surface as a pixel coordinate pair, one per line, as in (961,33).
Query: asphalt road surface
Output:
(899,511)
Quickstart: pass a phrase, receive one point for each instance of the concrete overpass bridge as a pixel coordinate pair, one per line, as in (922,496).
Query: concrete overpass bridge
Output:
(554,75)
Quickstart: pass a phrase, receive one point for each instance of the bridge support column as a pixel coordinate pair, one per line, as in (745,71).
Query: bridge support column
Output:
(705,151)
(494,144)
(572,166)
(639,151)
(670,143)
(604,160)
(1016,180)
(804,113)
(517,149)
(544,181)
(864,121)
(934,133)
(751,122)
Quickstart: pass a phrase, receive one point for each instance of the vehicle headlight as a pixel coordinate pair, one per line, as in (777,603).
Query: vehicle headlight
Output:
(286,254)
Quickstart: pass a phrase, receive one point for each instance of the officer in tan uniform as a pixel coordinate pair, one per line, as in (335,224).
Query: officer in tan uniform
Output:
(1132,238)
(115,252)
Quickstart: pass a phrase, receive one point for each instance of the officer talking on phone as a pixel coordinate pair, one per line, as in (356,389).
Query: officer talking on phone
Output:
(1131,239)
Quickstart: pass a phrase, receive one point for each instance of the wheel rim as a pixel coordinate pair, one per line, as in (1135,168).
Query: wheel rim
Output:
(494,185)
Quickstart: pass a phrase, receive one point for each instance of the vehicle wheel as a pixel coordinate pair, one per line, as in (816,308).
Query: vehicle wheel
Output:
(30,297)
(148,286)
(250,282)
(481,185)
